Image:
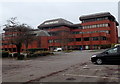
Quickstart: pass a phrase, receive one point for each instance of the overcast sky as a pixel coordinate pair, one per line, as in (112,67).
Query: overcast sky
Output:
(35,13)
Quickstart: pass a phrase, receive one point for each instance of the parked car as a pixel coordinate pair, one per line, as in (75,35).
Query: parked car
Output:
(109,55)
(58,49)
(116,45)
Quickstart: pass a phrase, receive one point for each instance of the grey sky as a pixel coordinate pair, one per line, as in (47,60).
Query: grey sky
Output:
(34,13)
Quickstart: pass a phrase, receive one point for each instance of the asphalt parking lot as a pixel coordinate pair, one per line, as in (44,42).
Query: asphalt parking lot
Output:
(86,72)
(61,67)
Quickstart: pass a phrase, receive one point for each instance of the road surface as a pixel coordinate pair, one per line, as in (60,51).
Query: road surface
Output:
(61,67)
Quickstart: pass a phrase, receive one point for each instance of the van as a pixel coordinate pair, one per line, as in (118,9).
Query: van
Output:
(58,49)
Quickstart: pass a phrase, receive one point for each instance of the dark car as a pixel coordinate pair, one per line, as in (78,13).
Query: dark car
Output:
(110,55)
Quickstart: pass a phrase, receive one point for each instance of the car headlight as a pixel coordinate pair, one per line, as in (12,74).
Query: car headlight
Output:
(94,56)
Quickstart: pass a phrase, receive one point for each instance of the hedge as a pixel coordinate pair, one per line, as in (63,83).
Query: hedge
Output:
(39,53)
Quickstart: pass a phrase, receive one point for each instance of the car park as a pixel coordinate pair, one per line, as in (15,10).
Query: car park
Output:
(110,55)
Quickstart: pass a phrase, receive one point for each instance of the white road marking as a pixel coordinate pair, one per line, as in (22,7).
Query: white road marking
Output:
(91,69)
(89,76)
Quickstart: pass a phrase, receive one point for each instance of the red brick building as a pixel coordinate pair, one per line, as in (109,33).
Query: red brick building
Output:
(94,32)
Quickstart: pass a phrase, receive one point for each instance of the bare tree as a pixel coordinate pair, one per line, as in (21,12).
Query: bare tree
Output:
(20,34)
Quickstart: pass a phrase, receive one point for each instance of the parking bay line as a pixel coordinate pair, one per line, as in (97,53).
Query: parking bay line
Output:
(89,76)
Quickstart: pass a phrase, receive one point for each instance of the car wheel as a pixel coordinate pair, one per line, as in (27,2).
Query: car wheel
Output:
(99,61)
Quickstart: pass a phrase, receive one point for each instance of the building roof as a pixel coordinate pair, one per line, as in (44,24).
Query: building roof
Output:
(55,22)
(97,15)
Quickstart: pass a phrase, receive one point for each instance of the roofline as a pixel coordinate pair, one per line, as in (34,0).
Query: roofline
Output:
(71,26)
(96,15)
(55,22)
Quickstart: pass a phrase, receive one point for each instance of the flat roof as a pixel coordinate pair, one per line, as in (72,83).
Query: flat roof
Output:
(97,15)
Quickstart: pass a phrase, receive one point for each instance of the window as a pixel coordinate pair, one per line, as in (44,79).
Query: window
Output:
(73,32)
(71,39)
(107,32)
(79,32)
(78,39)
(95,38)
(114,50)
(50,41)
(87,32)
(90,26)
(79,27)
(86,39)
(105,18)
(95,19)
(101,25)
(106,25)
(83,21)
(103,38)
(83,27)
(93,26)
(98,25)
(98,19)
(4,43)
(56,41)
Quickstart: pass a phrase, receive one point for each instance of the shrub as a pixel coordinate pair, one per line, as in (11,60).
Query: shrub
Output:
(4,54)
(32,50)
(15,55)
(21,57)
(39,53)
